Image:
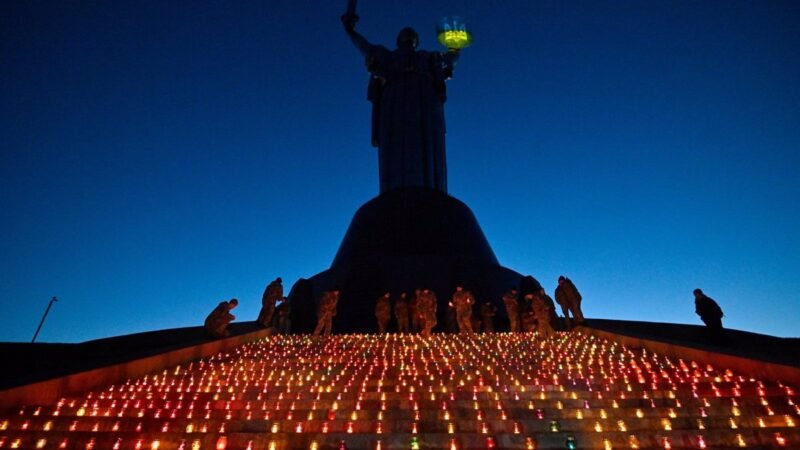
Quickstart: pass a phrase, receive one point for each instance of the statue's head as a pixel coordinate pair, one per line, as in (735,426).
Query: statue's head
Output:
(407,37)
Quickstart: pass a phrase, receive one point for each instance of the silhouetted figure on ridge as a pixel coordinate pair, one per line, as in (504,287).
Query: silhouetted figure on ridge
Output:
(542,312)
(325,313)
(383,312)
(462,302)
(426,307)
(550,304)
(488,312)
(569,298)
(512,309)
(217,322)
(708,310)
(272,294)
(450,319)
(401,309)
(711,315)
(412,311)
(528,317)
(284,314)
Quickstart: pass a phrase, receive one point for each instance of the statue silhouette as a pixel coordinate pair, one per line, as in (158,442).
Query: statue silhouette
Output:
(407,90)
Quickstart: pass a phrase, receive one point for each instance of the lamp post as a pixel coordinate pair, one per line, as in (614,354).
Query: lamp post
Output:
(44,316)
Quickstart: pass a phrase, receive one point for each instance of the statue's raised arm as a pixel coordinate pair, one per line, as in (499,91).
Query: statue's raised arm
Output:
(349,21)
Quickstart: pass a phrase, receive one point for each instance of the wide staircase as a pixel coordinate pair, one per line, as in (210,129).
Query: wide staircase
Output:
(479,391)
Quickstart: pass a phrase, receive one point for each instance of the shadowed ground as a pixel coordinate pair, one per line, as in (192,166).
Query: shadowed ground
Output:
(739,343)
(25,363)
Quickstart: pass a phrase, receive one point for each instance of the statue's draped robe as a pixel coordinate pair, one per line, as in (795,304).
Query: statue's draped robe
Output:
(407,90)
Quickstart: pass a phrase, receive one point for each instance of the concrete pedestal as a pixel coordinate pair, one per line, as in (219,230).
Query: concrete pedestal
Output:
(405,239)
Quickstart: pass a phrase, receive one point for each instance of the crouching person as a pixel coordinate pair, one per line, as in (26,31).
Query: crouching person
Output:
(217,322)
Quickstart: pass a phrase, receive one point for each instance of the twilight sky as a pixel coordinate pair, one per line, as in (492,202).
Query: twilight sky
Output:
(159,157)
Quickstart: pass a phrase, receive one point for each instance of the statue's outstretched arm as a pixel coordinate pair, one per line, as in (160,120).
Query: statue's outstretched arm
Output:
(359,41)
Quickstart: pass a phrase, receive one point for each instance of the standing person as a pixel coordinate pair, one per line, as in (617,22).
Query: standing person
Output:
(451,318)
(569,298)
(325,312)
(284,313)
(528,318)
(542,312)
(427,306)
(216,323)
(462,302)
(512,308)
(401,308)
(412,311)
(550,304)
(383,312)
(272,294)
(708,310)
(488,312)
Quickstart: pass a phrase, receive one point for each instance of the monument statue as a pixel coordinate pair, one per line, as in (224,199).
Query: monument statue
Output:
(407,91)
(387,247)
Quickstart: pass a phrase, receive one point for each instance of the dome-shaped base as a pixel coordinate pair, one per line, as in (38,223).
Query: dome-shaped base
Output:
(413,222)
(405,239)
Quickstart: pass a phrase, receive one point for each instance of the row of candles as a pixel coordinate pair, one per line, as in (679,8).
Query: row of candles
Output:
(458,385)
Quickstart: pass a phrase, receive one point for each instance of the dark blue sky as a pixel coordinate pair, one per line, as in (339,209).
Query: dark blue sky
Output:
(159,157)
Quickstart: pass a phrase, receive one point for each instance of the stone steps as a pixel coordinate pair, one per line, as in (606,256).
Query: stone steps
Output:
(503,390)
(677,439)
